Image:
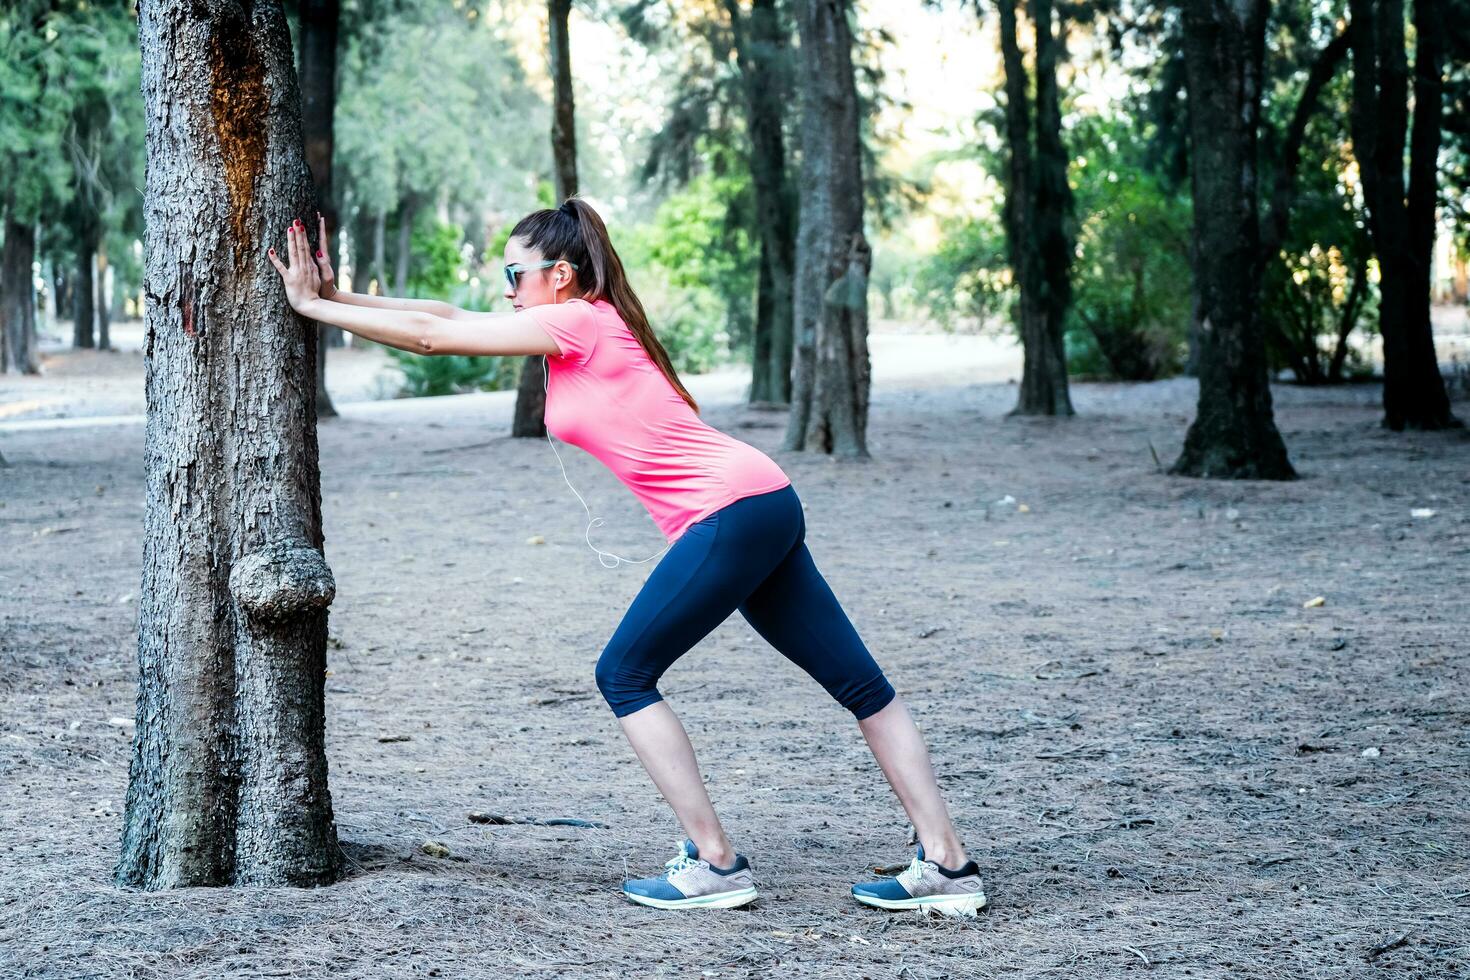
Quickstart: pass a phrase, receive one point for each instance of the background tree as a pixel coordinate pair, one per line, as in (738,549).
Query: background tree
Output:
(1234,432)
(228,781)
(1401,219)
(317,41)
(1038,209)
(529,417)
(831,371)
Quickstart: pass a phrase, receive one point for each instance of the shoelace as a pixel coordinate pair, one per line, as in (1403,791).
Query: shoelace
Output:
(681,863)
(914,873)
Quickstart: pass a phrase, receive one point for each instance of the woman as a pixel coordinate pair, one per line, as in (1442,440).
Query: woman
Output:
(734,524)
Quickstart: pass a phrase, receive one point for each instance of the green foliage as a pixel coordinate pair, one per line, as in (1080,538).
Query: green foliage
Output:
(968,275)
(1130,282)
(453,374)
(438,262)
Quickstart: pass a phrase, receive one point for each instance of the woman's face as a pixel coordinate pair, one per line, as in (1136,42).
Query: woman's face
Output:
(537,287)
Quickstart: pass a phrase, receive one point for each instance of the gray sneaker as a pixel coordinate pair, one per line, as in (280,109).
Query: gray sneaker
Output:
(692,882)
(925,885)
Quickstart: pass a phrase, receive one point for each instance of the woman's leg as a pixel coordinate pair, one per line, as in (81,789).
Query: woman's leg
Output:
(664,748)
(694,588)
(795,610)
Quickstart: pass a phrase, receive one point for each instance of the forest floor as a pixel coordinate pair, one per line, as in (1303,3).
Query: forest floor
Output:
(1187,728)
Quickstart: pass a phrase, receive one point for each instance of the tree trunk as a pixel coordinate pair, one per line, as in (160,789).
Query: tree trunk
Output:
(529,418)
(563,114)
(1233,434)
(318,73)
(104,308)
(1414,395)
(83,329)
(760,49)
(831,383)
(1038,205)
(406,214)
(18,299)
(228,782)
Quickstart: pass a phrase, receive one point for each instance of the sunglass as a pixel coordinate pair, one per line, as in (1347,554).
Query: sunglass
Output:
(513,271)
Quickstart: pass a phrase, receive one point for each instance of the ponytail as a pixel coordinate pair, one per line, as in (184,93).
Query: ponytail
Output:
(575,232)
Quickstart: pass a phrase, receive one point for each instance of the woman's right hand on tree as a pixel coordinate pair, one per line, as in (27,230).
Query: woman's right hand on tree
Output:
(300,276)
(323,262)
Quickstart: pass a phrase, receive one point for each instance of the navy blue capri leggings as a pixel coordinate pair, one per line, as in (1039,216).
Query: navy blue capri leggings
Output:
(749,555)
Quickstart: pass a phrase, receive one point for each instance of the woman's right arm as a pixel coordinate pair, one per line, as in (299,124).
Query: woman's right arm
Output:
(329,290)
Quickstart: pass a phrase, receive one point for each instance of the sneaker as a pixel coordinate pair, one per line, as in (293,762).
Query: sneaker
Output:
(925,885)
(692,882)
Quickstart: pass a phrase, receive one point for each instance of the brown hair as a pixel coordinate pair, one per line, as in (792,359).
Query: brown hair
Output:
(575,232)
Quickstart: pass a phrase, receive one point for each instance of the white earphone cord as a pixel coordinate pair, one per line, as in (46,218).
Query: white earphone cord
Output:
(592,521)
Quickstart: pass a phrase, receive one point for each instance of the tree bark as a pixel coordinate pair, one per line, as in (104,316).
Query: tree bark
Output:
(84,332)
(104,309)
(1401,226)
(1233,434)
(228,780)
(831,370)
(18,299)
(1038,205)
(318,73)
(530,410)
(761,55)
(406,213)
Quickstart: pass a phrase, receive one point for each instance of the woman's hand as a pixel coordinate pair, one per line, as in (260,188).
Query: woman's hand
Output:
(303,281)
(328,287)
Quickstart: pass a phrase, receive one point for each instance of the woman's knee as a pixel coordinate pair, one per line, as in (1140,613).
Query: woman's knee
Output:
(624,690)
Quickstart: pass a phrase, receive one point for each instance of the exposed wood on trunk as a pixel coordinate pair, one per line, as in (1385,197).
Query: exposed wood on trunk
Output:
(228,780)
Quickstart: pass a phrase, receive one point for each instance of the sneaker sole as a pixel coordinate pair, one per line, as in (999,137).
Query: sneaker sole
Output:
(721,900)
(946,904)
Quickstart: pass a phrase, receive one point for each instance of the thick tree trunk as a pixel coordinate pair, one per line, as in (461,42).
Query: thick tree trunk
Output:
(318,73)
(1233,434)
(18,299)
(760,48)
(1402,226)
(84,332)
(831,383)
(1038,205)
(228,782)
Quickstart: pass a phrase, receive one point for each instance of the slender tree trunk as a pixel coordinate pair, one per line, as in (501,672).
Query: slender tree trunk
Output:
(104,308)
(18,299)
(228,782)
(831,383)
(83,328)
(318,73)
(1233,434)
(563,115)
(761,53)
(1401,224)
(406,213)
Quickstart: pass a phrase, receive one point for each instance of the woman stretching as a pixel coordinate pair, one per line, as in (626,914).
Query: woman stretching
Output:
(733,521)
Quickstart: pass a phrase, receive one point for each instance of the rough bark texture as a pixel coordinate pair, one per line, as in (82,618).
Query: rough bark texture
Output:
(1401,225)
(760,50)
(831,370)
(1234,433)
(228,781)
(1038,207)
(18,300)
(318,73)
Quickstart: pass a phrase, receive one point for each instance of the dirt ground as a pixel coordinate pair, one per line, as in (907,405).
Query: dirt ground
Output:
(1187,728)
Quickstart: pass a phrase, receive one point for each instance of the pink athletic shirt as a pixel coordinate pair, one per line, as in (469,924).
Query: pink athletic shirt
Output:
(607,396)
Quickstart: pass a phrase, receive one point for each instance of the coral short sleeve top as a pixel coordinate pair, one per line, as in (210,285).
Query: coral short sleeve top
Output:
(607,396)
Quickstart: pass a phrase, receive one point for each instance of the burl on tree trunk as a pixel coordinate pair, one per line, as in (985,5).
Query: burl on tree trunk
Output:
(228,782)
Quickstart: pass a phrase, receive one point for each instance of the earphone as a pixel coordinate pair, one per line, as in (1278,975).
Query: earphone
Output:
(592,521)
